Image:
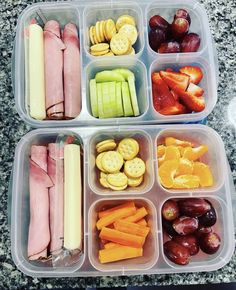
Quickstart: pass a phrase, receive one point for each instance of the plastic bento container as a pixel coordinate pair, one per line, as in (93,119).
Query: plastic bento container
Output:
(151,195)
(143,63)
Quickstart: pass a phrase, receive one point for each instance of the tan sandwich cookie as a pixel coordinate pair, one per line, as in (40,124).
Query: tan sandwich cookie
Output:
(103,175)
(117,188)
(106,147)
(134,168)
(99,162)
(91,36)
(110,53)
(104,142)
(117,179)
(101,30)
(120,44)
(100,47)
(100,53)
(129,31)
(112,161)
(128,148)
(110,29)
(124,19)
(104,182)
(94,35)
(133,182)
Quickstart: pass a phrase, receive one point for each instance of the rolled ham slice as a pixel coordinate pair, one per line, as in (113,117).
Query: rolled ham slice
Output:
(39,182)
(71,71)
(56,196)
(53,61)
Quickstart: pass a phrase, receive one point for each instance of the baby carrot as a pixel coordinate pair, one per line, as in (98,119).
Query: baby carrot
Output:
(119,253)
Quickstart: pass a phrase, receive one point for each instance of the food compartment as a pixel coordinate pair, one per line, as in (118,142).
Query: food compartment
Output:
(145,153)
(97,12)
(167,11)
(140,80)
(150,249)
(41,14)
(207,250)
(207,84)
(209,154)
(61,262)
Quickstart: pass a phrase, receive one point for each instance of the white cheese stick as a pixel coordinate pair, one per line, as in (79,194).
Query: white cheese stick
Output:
(72,197)
(36,73)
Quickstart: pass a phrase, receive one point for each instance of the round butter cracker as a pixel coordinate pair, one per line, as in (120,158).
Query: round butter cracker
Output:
(99,162)
(133,182)
(129,31)
(110,29)
(120,44)
(128,148)
(124,19)
(112,161)
(134,168)
(117,179)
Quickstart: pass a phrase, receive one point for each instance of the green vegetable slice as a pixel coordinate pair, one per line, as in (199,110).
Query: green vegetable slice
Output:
(93,97)
(126,100)
(133,95)
(109,76)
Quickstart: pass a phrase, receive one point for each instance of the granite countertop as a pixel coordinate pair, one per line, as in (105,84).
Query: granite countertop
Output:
(222,15)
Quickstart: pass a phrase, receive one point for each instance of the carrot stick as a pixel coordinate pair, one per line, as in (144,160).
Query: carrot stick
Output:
(115,215)
(119,253)
(142,222)
(110,210)
(140,213)
(131,228)
(111,245)
(121,238)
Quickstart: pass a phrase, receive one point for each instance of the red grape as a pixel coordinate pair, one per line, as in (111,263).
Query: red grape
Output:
(190,242)
(209,243)
(190,43)
(169,47)
(176,253)
(209,218)
(156,38)
(157,21)
(170,210)
(203,230)
(182,13)
(179,28)
(185,225)
(193,207)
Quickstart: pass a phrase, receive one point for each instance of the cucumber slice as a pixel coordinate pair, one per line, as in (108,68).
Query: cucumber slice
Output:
(112,93)
(124,72)
(109,76)
(100,103)
(126,100)
(133,95)
(106,100)
(119,104)
(93,97)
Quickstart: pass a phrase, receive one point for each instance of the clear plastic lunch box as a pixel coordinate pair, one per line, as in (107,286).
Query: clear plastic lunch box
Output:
(150,194)
(85,13)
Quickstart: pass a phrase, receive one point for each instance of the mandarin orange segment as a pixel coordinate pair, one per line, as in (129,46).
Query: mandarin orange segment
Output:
(173,141)
(204,173)
(171,153)
(185,167)
(167,172)
(186,181)
(161,150)
(194,153)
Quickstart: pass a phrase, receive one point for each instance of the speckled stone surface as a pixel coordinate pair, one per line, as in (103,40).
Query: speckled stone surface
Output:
(222,15)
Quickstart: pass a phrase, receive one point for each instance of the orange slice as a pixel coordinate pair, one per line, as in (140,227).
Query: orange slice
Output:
(173,141)
(185,167)
(204,173)
(161,150)
(186,181)
(194,153)
(171,153)
(167,172)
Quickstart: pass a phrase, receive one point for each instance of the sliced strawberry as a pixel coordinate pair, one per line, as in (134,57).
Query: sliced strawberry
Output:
(176,109)
(174,79)
(194,72)
(195,90)
(192,102)
(162,96)
(175,95)
(169,69)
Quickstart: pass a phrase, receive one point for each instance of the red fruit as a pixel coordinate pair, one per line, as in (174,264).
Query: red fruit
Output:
(155,97)
(179,28)
(168,228)
(177,109)
(175,80)
(182,13)
(194,72)
(202,230)
(193,207)
(209,218)
(196,104)
(185,225)
(209,243)
(169,47)
(176,253)
(156,38)
(195,90)
(159,22)
(190,43)
(176,97)
(170,210)
(162,96)
(190,242)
